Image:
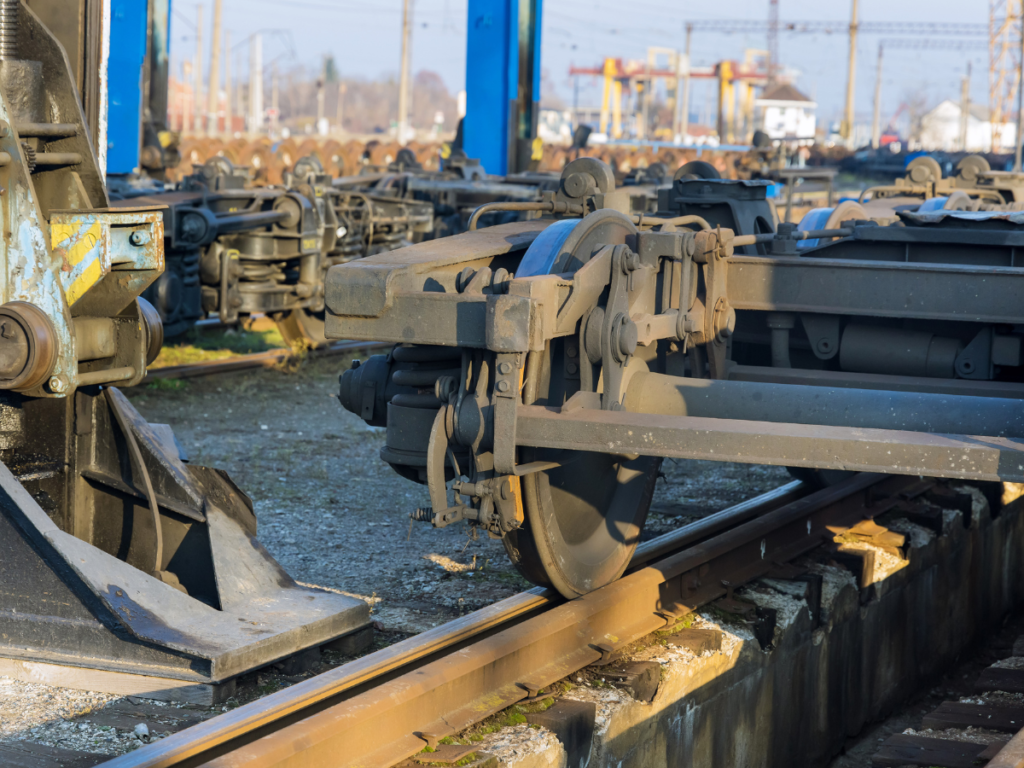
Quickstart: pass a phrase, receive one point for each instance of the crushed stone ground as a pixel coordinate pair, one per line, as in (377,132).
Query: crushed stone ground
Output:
(334,515)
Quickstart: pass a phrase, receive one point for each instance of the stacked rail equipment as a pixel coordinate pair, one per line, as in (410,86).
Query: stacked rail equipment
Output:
(545,368)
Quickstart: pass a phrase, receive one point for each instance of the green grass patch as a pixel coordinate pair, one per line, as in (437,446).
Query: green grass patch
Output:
(685,623)
(197,346)
(168,385)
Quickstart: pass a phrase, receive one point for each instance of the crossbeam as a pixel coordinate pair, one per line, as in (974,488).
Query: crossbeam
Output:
(783,444)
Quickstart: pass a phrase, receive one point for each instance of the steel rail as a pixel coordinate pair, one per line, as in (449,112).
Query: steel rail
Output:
(266,359)
(381,709)
(1011,755)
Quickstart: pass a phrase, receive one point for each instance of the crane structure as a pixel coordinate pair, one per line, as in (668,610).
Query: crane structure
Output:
(1004,63)
(625,77)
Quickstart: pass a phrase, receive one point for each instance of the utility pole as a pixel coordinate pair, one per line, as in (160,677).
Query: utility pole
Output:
(186,103)
(403,82)
(645,100)
(773,41)
(240,96)
(876,121)
(341,101)
(275,99)
(684,120)
(848,119)
(256,83)
(197,74)
(228,85)
(965,108)
(213,93)
(321,92)
(1020,98)
(1000,70)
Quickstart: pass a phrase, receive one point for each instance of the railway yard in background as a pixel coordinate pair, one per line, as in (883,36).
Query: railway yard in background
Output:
(359,421)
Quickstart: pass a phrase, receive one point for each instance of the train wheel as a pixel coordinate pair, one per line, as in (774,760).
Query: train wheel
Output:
(583,519)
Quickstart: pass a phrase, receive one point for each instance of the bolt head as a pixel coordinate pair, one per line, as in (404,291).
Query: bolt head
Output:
(57,384)
(504,368)
(503,386)
(571,368)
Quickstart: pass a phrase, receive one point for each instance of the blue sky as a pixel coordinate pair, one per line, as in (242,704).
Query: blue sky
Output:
(364,36)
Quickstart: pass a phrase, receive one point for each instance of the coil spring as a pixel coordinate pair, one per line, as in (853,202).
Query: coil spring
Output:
(422,515)
(9,29)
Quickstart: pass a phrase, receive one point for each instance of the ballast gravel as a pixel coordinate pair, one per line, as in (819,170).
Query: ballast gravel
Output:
(336,516)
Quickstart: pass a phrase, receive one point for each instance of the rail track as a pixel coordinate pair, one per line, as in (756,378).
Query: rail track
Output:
(268,359)
(389,705)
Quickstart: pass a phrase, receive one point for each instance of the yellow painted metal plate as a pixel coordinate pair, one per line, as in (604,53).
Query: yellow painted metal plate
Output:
(79,243)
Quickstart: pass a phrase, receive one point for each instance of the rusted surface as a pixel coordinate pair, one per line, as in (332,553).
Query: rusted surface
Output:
(347,158)
(399,715)
(783,444)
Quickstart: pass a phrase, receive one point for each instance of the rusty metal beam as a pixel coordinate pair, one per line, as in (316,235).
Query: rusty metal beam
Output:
(783,444)
(396,718)
(877,288)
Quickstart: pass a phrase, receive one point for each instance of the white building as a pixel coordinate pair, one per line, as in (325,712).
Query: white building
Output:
(940,129)
(787,115)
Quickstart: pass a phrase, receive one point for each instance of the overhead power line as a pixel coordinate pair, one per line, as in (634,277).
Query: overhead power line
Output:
(741,26)
(949,44)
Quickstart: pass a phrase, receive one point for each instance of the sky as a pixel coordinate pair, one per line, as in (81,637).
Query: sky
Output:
(364,38)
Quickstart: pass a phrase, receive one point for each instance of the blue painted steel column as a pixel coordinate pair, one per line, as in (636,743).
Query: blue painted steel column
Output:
(502,51)
(129,29)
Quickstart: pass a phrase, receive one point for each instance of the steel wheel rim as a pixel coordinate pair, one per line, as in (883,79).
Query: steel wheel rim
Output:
(583,520)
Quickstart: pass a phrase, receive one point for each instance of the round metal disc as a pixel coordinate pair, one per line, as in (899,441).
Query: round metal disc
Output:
(583,519)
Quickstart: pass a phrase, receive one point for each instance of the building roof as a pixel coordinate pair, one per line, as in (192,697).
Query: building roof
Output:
(783,92)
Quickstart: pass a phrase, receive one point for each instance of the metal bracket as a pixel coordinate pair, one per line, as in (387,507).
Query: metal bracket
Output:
(823,334)
(437,454)
(713,250)
(508,369)
(618,332)
(975,361)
